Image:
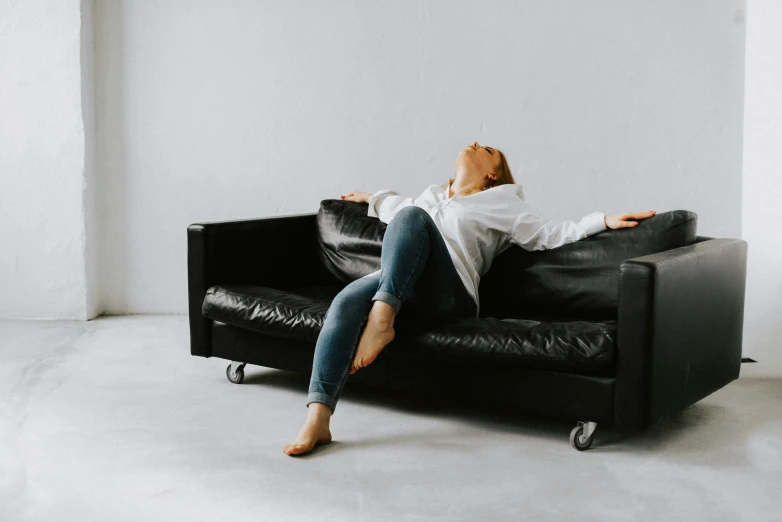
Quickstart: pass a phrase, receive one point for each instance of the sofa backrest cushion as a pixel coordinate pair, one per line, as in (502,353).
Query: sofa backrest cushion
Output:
(349,240)
(577,280)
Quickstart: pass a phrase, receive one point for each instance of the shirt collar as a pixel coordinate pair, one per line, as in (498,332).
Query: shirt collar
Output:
(512,188)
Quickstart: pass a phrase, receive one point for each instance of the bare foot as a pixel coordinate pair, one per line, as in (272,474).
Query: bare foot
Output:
(314,432)
(378,332)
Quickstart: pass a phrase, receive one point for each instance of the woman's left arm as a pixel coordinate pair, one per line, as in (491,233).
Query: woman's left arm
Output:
(533,232)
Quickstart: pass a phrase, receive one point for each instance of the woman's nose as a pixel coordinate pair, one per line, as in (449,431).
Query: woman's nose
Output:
(475,143)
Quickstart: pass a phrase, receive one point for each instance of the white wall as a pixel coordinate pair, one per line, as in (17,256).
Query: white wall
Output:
(762,183)
(217,110)
(43,170)
(227,110)
(91,261)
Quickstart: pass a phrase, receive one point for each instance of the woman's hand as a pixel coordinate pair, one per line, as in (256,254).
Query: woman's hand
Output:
(624,220)
(358,197)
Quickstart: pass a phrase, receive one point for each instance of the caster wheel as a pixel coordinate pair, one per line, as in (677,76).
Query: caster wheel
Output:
(235,378)
(577,440)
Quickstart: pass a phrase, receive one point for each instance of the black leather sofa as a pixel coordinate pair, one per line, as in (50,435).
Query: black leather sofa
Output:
(623,327)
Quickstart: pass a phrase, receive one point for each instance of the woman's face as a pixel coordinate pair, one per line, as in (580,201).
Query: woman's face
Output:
(475,161)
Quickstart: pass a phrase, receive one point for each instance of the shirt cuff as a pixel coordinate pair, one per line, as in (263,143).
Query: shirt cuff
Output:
(372,211)
(594,223)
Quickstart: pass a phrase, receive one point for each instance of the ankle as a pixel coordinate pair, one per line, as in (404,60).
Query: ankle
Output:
(383,313)
(318,413)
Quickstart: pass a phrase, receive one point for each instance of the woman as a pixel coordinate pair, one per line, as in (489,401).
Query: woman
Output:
(435,250)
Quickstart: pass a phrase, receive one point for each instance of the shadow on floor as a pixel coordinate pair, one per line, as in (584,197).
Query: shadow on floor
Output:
(692,434)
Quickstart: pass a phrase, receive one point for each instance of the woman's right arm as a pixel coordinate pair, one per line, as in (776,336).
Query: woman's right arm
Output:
(383,204)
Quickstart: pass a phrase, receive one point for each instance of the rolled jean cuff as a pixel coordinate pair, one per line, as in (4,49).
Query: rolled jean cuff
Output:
(389,299)
(322,398)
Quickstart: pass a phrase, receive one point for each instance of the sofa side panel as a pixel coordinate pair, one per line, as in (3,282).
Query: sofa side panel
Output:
(277,252)
(634,346)
(200,326)
(679,328)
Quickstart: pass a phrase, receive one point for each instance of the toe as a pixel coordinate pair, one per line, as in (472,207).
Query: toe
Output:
(298,449)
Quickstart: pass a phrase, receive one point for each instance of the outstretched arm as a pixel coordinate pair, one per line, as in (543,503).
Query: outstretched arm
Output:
(383,204)
(533,232)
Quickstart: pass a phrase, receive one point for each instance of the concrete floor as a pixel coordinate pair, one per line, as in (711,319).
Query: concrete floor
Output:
(112,419)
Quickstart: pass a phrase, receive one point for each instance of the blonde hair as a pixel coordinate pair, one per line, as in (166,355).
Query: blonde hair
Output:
(504,175)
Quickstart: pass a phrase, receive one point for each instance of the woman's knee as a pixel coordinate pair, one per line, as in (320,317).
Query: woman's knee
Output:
(412,212)
(412,216)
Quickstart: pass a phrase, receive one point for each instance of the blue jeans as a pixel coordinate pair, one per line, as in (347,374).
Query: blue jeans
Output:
(415,268)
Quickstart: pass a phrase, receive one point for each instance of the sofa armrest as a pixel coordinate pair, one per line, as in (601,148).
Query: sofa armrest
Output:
(275,251)
(679,328)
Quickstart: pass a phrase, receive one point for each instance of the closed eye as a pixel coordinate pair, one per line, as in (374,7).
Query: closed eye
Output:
(491,151)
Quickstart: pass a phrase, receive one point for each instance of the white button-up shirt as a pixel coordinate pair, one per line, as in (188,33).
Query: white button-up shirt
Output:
(482,225)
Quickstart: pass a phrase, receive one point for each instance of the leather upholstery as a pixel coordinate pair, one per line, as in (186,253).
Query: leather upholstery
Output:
(580,279)
(299,313)
(680,325)
(552,394)
(576,280)
(296,313)
(671,334)
(349,241)
(276,251)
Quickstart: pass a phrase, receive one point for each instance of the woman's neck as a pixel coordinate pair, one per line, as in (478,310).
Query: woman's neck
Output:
(454,190)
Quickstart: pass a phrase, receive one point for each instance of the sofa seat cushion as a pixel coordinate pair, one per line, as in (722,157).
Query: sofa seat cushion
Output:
(581,346)
(294,313)
(543,342)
